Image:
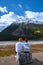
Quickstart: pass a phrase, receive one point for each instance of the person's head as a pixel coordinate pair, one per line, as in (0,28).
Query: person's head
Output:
(26,39)
(20,39)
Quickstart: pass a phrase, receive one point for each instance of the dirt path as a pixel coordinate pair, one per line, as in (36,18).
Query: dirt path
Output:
(37,60)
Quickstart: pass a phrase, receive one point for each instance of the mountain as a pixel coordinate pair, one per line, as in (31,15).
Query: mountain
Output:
(10,28)
(6,33)
(19,19)
(30,20)
(27,29)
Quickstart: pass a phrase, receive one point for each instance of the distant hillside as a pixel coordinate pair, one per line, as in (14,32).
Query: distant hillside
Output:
(6,33)
(10,28)
(32,31)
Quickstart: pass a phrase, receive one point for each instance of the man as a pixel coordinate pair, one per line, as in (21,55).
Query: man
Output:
(27,48)
(19,49)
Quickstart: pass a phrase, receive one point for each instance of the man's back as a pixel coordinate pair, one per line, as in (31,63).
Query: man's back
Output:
(26,46)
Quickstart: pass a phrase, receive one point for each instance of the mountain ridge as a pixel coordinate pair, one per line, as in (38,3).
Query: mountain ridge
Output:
(22,30)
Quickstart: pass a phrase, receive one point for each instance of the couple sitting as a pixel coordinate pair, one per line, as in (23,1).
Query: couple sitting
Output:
(23,55)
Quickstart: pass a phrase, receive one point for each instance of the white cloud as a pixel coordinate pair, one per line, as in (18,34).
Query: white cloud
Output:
(20,5)
(31,14)
(7,19)
(3,9)
(34,15)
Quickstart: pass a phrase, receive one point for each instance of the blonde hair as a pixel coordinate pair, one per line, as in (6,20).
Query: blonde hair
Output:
(20,39)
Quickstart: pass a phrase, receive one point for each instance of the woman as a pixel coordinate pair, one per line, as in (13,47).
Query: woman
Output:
(19,50)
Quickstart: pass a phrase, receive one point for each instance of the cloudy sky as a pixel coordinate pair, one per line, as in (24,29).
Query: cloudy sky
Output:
(12,10)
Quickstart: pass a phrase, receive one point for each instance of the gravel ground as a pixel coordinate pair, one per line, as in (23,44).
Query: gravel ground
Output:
(11,60)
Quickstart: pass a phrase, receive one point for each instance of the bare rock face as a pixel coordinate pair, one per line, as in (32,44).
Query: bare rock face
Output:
(19,31)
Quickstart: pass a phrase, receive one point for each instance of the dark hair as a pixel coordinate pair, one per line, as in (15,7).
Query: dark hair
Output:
(26,39)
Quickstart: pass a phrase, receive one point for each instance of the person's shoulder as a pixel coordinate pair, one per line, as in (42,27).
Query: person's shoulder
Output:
(24,43)
(17,43)
(28,42)
(21,42)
